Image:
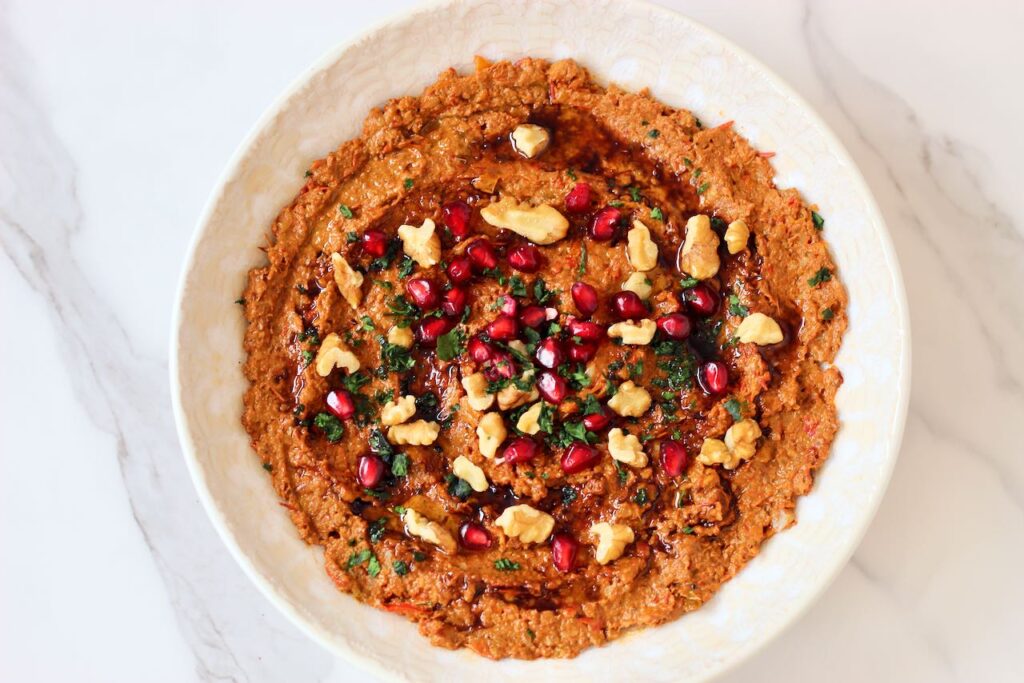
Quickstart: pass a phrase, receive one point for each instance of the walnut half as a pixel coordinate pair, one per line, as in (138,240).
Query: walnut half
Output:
(612,540)
(334,354)
(540,224)
(526,523)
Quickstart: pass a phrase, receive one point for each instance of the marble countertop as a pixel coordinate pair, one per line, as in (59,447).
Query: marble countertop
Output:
(116,119)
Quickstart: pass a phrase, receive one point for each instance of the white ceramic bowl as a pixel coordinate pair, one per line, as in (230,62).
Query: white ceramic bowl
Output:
(634,45)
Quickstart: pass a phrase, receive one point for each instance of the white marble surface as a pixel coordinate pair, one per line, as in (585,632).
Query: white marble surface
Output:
(115,121)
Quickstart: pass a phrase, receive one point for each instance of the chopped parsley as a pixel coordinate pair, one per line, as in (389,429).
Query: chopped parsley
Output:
(616,203)
(451,344)
(571,172)
(366,324)
(688,282)
(735,408)
(827,314)
(377,529)
(309,334)
(401,568)
(330,426)
(516,286)
(407,183)
(384,396)
(576,375)
(688,530)
(703,187)
(405,267)
(403,311)
(653,133)
(506,565)
(379,443)
(351,237)
(395,358)
(823,275)
(356,559)
(541,292)
(383,262)
(581,269)
(623,475)
(634,193)
(268,467)
(819,222)
(373,567)
(657,215)
(353,382)
(641,497)
(345,211)
(569,495)
(418,556)
(736,308)
(307,358)
(240,302)
(400,465)
(688,162)
(458,488)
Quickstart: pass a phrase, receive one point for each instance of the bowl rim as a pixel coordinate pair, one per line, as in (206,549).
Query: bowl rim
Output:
(903,363)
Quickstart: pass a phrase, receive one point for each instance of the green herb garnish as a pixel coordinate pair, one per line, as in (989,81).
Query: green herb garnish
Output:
(657,215)
(735,409)
(736,308)
(819,222)
(506,565)
(827,314)
(823,275)
(400,567)
(451,344)
(345,211)
(330,425)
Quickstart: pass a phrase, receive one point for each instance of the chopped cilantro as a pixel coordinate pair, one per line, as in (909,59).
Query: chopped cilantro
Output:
(407,183)
(653,133)
(657,215)
(641,497)
(506,565)
(827,314)
(703,187)
(345,211)
(399,510)
(401,568)
(819,222)
(516,286)
(384,396)
(688,282)
(330,426)
(623,475)
(634,193)
(373,567)
(366,323)
(823,275)
(307,358)
(546,419)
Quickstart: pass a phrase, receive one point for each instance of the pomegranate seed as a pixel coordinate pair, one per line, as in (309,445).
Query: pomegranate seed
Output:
(501,366)
(429,329)
(460,270)
(713,377)
(479,350)
(587,331)
(503,328)
(595,422)
(629,306)
(578,457)
(474,536)
(550,353)
(563,552)
(605,224)
(455,300)
(507,305)
(456,218)
(701,299)
(675,326)
(578,199)
(519,449)
(482,254)
(533,316)
(673,457)
(585,298)
(423,292)
(525,258)
(583,352)
(341,404)
(371,470)
(375,243)
(552,387)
